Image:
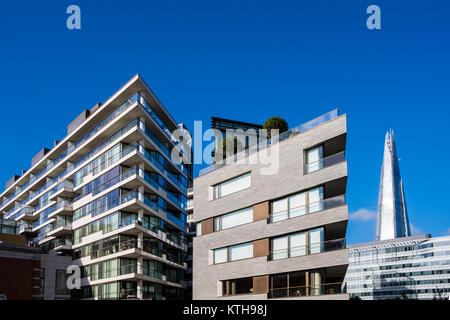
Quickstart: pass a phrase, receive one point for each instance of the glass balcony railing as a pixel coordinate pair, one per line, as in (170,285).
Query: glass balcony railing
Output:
(161,146)
(285,135)
(121,246)
(77,164)
(307,209)
(307,291)
(312,248)
(44,216)
(59,224)
(164,128)
(324,163)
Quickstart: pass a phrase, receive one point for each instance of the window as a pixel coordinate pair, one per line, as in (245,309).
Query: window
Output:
(280,246)
(298,204)
(315,240)
(198,229)
(110,268)
(241,251)
(231,186)
(295,245)
(234,219)
(220,255)
(279,210)
(233,253)
(315,197)
(313,159)
(42,280)
(110,291)
(237,286)
(291,284)
(61,285)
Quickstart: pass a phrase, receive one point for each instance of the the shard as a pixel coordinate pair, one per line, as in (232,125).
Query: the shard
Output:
(392,219)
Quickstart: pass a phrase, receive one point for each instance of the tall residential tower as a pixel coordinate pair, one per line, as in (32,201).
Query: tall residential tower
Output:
(110,195)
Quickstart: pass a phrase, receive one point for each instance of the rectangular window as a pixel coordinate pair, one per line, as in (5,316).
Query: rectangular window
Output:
(313,159)
(234,219)
(298,204)
(94,272)
(293,245)
(315,240)
(237,286)
(110,291)
(280,248)
(315,197)
(241,251)
(220,255)
(297,244)
(61,285)
(198,228)
(233,185)
(279,210)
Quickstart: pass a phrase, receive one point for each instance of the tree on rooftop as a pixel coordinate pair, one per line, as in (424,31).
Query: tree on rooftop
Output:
(275,123)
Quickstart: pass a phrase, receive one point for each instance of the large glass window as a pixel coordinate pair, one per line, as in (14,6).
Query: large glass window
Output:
(298,204)
(220,255)
(152,268)
(241,251)
(313,159)
(198,229)
(280,246)
(233,185)
(234,219)
(315,240)
(233,253)
(315,197)
(295,245)
(110,291)
(238,286)
(110,268)
(61,282)
(279,210)
(294,284)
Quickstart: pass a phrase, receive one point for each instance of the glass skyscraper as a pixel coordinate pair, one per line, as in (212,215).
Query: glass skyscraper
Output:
(392,219)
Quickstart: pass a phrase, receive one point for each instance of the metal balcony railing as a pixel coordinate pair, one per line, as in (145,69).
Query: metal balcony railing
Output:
(312,248)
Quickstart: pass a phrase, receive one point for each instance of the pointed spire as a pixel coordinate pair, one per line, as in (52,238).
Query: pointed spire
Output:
(392,219)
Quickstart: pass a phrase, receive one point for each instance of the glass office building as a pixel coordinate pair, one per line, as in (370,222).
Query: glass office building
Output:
(404,268)
(111,196)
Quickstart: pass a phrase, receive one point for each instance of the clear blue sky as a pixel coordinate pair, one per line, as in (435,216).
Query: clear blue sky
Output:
(245,60)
